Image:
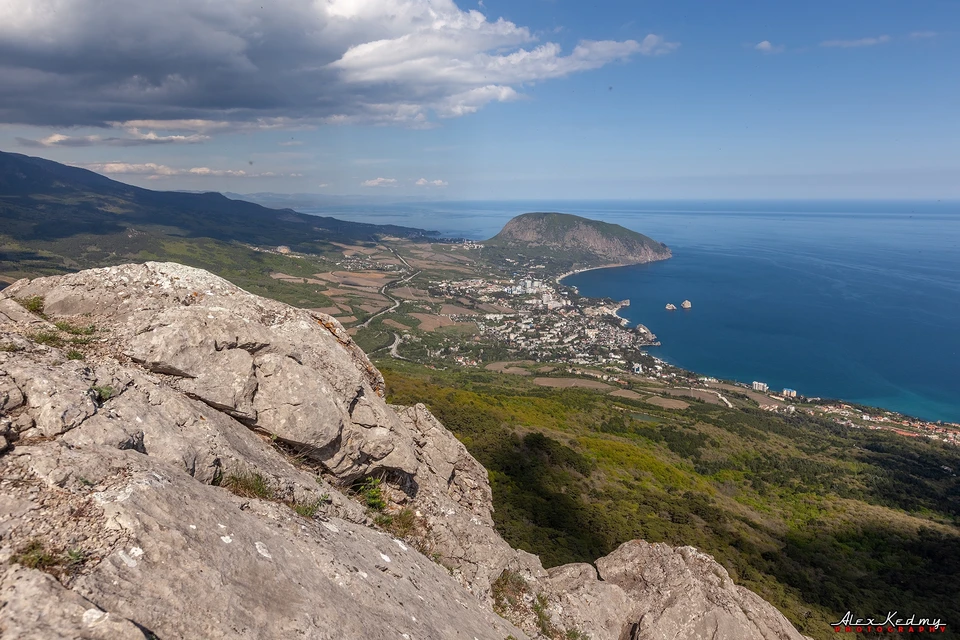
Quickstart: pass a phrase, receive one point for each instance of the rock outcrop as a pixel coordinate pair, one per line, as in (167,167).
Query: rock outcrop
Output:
(184,468)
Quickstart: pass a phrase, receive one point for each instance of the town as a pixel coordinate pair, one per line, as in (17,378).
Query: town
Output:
(549,322)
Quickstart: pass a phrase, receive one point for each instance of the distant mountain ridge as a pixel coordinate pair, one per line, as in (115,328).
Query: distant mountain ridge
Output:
(584,241)
(43,199)
(56,218)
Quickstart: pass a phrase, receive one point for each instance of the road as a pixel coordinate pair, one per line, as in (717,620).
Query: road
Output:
(393,347)
(383,292)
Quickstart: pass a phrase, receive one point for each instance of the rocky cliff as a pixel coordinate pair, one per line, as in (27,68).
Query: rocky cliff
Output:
(182,459)
(588,242)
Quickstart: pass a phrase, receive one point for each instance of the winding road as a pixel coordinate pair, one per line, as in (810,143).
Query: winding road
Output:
(393,348)
(396,303)
(383,292)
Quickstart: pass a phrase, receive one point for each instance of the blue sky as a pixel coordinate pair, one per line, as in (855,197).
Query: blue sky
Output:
(522,99)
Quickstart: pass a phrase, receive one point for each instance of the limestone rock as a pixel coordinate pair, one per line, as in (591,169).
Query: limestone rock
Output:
(291,373)
(57,399)
(682,593)
(195,561)
(37,607)
(582,601)
(454,495)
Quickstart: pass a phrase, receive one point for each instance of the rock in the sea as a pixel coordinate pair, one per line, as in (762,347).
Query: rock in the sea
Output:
(686,304)
(191,478)
(671,306)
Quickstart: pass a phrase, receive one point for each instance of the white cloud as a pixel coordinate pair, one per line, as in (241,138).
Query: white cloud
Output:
(471,101)
(423,182)
(920,35)
(134,138)
(322,185)
(154,171)
(222,65)
(862,42)
(767,47)
(379,182)
(443,62)
(291,143)
(654,45)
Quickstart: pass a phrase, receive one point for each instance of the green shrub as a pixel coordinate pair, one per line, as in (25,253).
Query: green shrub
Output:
(73,354)
(543,617)
(414,529)
(507,591)
(249,485)
(103,393)
(74,329)
(35,556)
(33,304)
(401,524)
(48,338)
(308,509)
(371,492)
(75,557)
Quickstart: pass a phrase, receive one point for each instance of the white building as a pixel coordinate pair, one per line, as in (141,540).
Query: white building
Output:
(760,386)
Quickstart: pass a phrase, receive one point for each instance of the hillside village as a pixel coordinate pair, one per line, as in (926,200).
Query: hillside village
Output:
(551,323)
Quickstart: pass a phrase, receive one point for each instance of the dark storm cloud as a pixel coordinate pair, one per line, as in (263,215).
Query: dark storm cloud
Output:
(108,62)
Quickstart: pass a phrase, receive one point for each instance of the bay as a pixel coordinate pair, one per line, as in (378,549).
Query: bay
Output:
(850,299)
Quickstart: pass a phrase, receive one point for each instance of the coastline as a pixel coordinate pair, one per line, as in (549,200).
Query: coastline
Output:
(563,276)
(560,278)
(625,321)
(927,411)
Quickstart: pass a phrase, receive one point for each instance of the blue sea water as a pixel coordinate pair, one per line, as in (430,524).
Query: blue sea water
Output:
(852,300)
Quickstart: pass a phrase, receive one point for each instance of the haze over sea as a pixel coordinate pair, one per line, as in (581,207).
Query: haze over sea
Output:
(851,300)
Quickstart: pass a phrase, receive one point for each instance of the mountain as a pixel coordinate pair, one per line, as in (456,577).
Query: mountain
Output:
(56,218)
(183,459)
(46,200)
(581,241)
(313,200)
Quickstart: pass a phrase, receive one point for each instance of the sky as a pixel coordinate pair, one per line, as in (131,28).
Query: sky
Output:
(497,99)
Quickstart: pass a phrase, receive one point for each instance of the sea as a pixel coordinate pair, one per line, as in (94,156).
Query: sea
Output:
(855,300)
